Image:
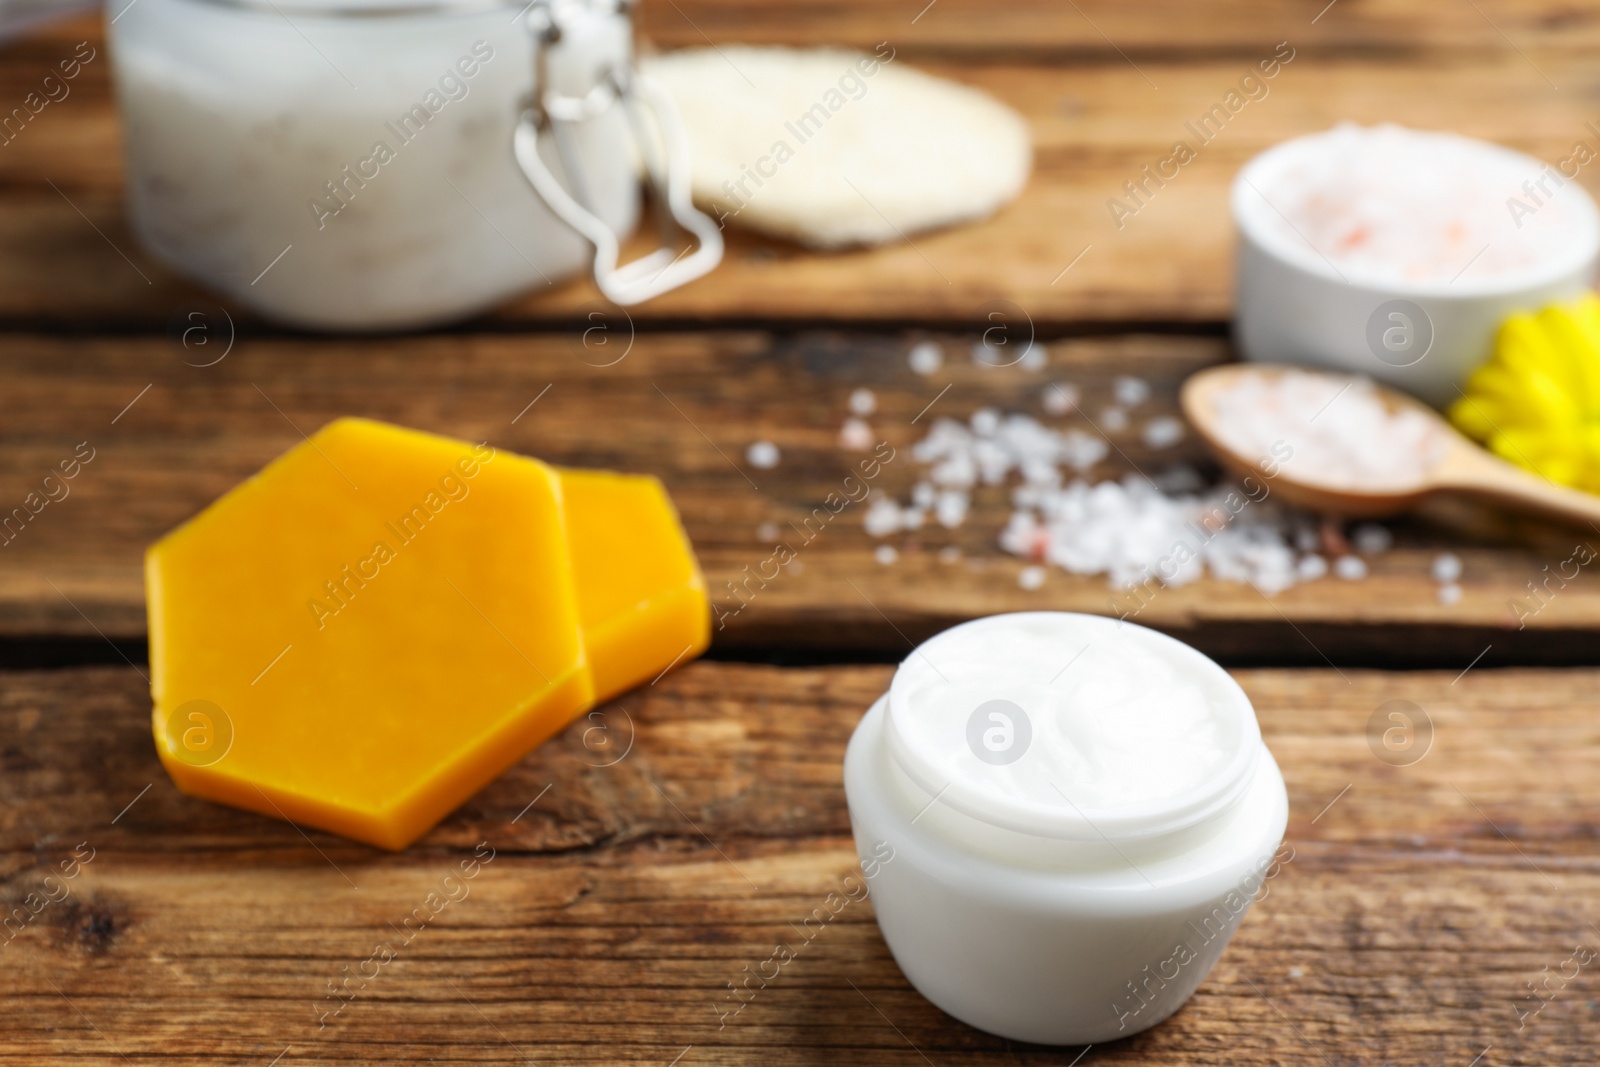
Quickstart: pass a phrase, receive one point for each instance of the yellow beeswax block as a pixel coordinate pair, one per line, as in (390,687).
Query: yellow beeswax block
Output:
(641,596)
(366,632)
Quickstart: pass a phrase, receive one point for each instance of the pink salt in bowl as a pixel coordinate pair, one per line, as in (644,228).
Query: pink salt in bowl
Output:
(1397,253)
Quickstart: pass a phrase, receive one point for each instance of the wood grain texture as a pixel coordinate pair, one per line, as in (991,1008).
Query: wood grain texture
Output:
(1083,31)
(1419,901)
(686,407)
(1095,124)
(1105,31)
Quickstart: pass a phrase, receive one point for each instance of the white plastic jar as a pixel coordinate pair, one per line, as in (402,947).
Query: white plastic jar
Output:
(1064,818)
(362,164)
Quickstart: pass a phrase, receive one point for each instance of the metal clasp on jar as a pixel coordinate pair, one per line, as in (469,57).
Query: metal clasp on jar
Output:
(663,148)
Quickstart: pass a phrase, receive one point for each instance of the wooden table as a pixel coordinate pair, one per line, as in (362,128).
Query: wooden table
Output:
(623,898)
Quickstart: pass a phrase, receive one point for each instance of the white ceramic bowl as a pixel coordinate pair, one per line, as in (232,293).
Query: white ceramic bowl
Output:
(1297,304)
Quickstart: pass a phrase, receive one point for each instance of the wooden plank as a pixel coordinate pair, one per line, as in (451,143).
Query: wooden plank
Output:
(1095,124)
(169,437)
(1091,30)
(1107,31)
(1419,902)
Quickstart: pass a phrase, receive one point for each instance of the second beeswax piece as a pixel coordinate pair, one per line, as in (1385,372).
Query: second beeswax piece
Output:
(641,596)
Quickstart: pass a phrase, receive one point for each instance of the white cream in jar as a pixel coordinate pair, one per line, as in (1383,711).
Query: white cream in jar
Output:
(1065,817)
(349,164)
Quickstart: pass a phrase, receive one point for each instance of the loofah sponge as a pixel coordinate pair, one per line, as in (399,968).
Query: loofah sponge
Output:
(834,148)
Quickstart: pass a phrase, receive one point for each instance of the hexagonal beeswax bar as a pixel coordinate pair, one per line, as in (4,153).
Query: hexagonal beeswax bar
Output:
(641,597)
(366,632)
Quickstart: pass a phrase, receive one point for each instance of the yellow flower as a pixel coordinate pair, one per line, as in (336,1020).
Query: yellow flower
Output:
(1536,403)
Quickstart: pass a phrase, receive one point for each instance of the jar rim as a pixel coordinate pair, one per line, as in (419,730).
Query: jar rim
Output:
(1186,808)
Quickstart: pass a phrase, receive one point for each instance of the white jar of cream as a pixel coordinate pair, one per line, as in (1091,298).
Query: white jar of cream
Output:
(1065,818)
(359,164)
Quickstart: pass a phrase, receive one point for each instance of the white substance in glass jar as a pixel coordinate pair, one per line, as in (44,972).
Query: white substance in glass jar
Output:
(1064,819)
(351,166)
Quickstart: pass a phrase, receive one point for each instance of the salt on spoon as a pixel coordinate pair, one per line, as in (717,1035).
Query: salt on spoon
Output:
(1363,450)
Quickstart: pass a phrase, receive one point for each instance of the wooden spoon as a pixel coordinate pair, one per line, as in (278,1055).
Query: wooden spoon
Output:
(1462,467)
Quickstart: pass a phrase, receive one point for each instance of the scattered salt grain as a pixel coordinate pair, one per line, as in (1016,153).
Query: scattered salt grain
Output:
(1031,578)
(950,554)
(951,510)
(1061,398)
(882,517)
(985,422)
(1081,451)
(863,402)
(1129,391)
(925,358)
(1449,594)
(1446,567)
(1113,420)
(923,494)
(1163,432)
(1306,539)
(985,354)
(767,531)
(1370,537)
(959,470)
(885,554)
(762,455)
(1034,359)
(1327,430)
(1350,568)
(1311,567)
(855,435)
(885,517)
